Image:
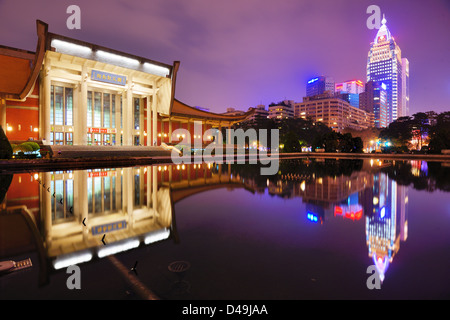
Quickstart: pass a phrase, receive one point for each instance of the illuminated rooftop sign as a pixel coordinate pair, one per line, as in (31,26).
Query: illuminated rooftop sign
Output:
(313,80)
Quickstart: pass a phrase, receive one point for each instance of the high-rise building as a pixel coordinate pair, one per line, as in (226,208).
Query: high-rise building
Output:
(374,99)
(384,63)
(405,88)
(319,85)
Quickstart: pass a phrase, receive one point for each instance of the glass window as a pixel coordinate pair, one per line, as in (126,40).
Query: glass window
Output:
(69,138)
(136,113)
(113,193)
(59,93)
(113,111)
(89,109)
(98,194)
(59,138)
(89,193)
(52,98)
(69,106)
(68,199)
(107,194)
(106,110)
(137,191)
(97,109)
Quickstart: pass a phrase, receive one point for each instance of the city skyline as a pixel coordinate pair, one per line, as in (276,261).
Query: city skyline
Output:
(254,53)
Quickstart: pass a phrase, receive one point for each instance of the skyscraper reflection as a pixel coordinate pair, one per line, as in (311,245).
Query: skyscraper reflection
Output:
(386,224)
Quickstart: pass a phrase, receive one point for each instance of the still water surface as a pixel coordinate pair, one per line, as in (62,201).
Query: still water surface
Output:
(218,232)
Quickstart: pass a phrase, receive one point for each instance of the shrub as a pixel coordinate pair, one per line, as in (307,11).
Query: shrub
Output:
(5,146)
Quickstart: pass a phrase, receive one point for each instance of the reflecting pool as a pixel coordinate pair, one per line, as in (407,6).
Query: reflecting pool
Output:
(319,229)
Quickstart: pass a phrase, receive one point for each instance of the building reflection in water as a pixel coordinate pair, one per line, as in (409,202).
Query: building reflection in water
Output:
(73,211)
(78,216)
(365,193)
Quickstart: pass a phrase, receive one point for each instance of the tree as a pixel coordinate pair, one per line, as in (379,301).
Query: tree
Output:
(440,133)
(5,147)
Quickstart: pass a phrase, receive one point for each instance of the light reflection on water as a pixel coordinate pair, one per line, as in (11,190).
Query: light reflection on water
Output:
(310,231)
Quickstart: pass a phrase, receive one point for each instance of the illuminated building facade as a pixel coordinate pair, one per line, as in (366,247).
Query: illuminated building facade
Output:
(384,63)
(405,86)
(374,100)
(349,91)
(334,112)
(351,86)
(319,85)
(70,92)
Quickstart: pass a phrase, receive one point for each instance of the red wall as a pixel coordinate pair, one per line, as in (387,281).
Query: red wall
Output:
(22,120)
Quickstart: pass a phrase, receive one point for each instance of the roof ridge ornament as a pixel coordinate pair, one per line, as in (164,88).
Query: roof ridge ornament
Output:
(384,20)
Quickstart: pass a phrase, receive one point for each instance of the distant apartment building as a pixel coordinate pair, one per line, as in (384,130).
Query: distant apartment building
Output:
(319,85)
(260,112)
(234,112)
(334,112)
(374,100)
(281,110)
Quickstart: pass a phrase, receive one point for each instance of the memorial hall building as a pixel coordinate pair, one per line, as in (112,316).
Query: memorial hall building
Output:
(70,92)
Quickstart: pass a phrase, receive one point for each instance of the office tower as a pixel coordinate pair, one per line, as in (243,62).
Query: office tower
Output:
(405,88)
(319,85)
(384,63)
(374,100)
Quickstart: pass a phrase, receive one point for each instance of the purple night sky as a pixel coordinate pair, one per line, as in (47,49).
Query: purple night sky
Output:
(239,54)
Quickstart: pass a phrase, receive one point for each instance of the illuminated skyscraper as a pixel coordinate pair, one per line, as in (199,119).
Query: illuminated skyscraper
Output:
(374,99)
(384,63)
(405,88)
(319,85)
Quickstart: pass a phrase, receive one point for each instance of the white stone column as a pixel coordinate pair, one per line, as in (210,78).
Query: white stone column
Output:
(155,190)
(46,205)
(118,116)
(46,127)
(170,130)
(154,116)
(149,185)
(80,112)
(128,117)
(149,122)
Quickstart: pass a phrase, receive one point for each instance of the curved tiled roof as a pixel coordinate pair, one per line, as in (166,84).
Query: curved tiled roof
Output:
(19,69)
(181,109)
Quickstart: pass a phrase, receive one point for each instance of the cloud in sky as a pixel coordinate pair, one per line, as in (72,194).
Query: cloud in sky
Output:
(239,54)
